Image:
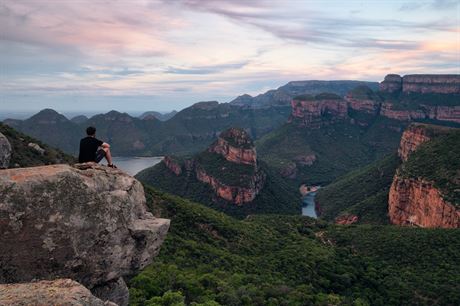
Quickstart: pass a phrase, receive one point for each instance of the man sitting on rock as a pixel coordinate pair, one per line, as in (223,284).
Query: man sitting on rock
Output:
(93,149)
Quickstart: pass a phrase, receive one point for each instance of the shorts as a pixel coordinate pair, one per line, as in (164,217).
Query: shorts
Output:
(100,154)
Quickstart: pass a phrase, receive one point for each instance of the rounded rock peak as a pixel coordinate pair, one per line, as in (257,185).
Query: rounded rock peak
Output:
(237,137)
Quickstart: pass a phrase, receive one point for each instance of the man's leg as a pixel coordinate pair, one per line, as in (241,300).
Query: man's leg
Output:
(108,155)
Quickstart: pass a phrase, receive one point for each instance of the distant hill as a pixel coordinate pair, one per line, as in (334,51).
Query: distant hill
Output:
(27,151)
(284,94)
(158,115)
(227,176)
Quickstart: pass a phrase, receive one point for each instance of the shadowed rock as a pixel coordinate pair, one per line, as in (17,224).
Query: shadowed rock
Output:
(5,152)
(87,222)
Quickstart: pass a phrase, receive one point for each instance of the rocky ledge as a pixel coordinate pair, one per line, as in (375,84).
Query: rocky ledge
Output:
(315,112)
(85,222)
(57,292)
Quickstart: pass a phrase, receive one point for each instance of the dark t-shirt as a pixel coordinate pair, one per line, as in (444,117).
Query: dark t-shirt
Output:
(88,149)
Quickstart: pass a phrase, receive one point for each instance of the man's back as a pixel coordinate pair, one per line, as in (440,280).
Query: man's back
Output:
(88,149)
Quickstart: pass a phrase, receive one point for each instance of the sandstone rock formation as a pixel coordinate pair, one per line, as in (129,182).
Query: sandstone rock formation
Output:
(235,194)
(346,219)
(87,222)
(236,146)
(418,202)
(415,135)
(56,292)
(5,152)
(314,112)
(422,83)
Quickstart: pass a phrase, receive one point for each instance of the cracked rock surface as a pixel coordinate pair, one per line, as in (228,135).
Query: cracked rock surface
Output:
(85,222)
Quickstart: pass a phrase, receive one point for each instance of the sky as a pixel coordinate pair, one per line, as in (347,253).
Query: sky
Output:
(88,56)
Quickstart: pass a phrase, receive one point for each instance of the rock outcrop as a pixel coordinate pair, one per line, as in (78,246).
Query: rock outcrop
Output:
(417,134)
(56,292)
(87,222)
(235,194)
(5,152)
(236,146)
(315,112)
(418,202)
(172,165)
(422,83)
(414,200)
(346,219)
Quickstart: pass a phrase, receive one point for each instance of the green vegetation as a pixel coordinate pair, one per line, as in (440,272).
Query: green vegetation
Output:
(25,156)
(276,197)
(209,258)
(438,161)
(228,173)
(363,192)
(339,148)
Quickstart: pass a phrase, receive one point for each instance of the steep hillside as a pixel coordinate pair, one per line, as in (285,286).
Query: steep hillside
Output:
(227,176)
(362,193)
(417,187)
(209,258)
(158,115)
(27,151)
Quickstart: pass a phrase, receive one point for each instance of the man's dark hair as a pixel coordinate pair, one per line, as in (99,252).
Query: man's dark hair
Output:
(91,131)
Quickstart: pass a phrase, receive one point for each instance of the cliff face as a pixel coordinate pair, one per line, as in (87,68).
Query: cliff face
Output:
(88,223)
(422,83)
(318,112)
(411,138)
(235,194)
(417,202)
(236,146)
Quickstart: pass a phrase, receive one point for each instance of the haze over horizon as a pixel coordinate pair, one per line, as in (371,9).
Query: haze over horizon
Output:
(95,56)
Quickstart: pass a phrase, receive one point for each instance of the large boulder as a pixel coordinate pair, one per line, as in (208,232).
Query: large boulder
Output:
(5,152)
(85,222)
(57,292)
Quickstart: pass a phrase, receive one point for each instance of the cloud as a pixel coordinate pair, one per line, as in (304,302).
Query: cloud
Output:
(207,69)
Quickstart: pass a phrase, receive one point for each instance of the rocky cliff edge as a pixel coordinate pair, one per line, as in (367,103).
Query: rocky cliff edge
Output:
(85,222)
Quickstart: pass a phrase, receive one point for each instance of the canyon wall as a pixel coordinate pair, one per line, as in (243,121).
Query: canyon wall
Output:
(85,222)
(236,146)
(418,202)
(314,113)
(421,83)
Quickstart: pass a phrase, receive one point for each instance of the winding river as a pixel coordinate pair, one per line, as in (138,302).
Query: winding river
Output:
(132,165)
(308,205)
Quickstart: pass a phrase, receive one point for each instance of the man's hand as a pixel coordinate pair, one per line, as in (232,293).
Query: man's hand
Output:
(105,145)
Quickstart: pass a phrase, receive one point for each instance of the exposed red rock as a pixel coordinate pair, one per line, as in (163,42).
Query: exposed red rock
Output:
(415,135)
(346,219)
(388,110)
(431,83)
(235,194)
(422,83)
(391,83)
(367,106)
(318,112)
(418,202)
(236,146)
(411,138)
(172,165)
(443,113)
(306,160)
